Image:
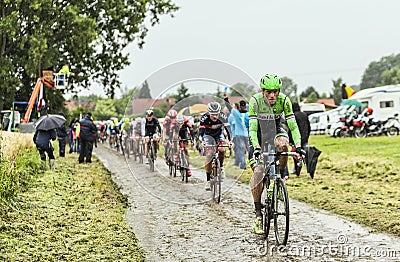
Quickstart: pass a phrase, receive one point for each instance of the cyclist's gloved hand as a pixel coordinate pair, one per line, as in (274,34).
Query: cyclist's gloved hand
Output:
(257,153)
(300,151)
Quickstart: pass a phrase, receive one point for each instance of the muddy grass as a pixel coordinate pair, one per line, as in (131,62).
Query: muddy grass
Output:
(74,213)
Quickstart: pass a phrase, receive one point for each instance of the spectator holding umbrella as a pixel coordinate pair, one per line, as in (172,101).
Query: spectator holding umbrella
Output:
(45,131)
(88,132)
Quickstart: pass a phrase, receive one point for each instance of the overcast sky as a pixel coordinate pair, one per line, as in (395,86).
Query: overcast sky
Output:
(309,41)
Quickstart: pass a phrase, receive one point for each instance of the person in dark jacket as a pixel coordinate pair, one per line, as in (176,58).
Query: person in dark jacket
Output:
(88,132)
(304,127)
(62,137)
(42,141)
(71,136)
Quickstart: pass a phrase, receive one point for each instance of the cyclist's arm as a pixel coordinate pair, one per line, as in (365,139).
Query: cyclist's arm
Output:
(253,122)
(291,122)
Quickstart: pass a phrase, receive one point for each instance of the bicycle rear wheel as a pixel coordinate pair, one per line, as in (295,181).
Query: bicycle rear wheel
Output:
(218,186)
(172,169)
(127,148)
(134,150)
(281,212)
(151,157)
(184,167)
(141,152)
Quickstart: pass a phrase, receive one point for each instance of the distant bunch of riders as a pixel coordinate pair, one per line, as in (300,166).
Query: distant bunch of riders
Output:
(267,117)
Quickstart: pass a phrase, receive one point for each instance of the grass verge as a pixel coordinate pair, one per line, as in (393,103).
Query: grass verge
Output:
(74,213)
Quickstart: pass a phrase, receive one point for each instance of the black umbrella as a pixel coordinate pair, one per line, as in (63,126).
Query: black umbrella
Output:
(312,154)
(48,122)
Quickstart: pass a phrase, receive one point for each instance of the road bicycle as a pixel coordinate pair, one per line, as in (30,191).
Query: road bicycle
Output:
(151,155)
(140,151)
(276,200)
(172,164)
(126,145)
(216,173)
(183,161)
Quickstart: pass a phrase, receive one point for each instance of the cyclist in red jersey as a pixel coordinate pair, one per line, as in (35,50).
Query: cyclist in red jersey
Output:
(179,129)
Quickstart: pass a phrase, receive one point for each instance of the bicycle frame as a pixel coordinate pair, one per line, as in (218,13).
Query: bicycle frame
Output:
(215,177)
(273,199)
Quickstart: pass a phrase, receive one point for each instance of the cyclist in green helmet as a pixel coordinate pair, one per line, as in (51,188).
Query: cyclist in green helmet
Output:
(266,110)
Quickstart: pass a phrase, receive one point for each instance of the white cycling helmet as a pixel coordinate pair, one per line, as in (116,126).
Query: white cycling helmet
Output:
(180,118)
(214,107)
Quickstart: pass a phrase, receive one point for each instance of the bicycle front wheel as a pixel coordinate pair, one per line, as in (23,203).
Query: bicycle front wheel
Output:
(281,212)
(267,215)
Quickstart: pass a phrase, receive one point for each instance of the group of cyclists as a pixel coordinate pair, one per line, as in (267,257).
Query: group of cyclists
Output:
(265,110)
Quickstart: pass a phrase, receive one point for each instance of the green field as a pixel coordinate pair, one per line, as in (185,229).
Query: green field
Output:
(357,178)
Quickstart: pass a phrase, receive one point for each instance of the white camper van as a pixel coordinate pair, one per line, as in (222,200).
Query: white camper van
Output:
(384,100)
(321,122)
(311,108)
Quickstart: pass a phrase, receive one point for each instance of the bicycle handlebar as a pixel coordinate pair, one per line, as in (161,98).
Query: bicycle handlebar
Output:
(283,154)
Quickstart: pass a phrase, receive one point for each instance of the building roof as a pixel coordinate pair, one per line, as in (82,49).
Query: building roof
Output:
(72,104)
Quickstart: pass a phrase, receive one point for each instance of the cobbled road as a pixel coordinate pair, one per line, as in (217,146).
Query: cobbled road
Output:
(175,221)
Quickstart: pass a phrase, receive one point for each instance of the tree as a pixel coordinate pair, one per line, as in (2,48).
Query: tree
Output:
(376,71)
(391,76)
(104,109)
(308,92)
(312,98)
(242,89)
(337,90)
(144,92)
(289,88)
(182,93)
(90,36)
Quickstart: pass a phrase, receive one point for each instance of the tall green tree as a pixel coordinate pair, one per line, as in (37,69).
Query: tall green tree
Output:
(90,36)
(182,93)
(379,72)
(105,109)
(337,90)
(144,91)
(308,91)
(391,76)
(289,88)
(312,98)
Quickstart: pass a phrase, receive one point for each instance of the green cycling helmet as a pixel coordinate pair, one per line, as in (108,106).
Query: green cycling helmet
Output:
(270,82)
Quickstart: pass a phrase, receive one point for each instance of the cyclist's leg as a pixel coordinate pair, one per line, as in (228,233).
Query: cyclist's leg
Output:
(256,184)
(146,148)
(221,150)
(282,144)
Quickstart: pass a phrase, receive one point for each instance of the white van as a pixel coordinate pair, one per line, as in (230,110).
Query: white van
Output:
(311,108)
(321,122)
(384,100)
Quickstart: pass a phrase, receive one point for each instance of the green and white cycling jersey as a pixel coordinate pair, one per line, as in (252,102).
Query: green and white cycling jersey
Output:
(264,120)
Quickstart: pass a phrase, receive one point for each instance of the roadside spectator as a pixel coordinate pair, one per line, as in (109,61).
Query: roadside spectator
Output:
(232,125)
(240,118)
(305,129)
(88,132)
(42,141)
(62,137)
(72,135)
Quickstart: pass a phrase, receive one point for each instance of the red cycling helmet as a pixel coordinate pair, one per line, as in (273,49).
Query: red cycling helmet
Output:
(370,110)
(172,113)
